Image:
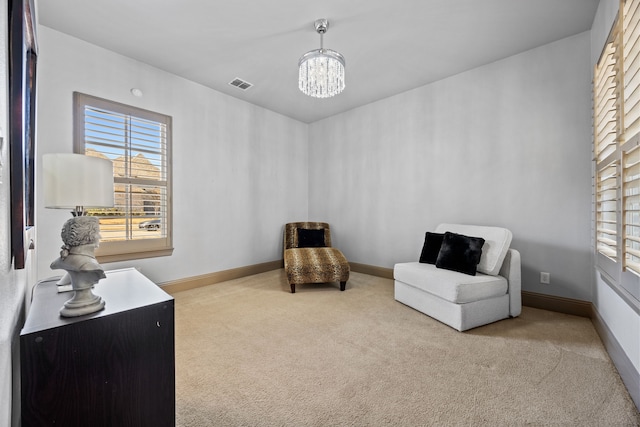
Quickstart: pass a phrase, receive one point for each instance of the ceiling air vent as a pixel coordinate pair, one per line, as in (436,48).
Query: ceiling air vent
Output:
(241,84)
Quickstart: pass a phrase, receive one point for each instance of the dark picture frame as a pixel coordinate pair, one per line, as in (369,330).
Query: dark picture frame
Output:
(22,59)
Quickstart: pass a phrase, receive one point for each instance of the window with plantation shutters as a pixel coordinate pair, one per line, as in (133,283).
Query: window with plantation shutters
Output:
(616,135)
(138,143)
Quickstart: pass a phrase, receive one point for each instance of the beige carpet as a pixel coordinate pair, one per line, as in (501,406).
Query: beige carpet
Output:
(249,353)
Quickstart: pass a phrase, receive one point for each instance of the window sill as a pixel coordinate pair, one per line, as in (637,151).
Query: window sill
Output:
(104,259)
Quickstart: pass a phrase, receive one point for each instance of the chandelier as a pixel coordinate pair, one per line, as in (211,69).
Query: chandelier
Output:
(321,71)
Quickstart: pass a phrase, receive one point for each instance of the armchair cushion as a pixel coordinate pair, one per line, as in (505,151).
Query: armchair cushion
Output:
(460,253)
(309,238)
(450,285)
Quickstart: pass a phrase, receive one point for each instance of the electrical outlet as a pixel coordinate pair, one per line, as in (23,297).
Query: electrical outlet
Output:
(545,278)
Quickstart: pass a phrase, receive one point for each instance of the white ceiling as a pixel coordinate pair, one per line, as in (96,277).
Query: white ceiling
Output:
(390,46)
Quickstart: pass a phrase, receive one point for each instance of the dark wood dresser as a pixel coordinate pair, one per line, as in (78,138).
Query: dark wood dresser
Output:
(115,367)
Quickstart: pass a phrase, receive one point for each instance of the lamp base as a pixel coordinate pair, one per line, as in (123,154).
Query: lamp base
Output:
(83,302)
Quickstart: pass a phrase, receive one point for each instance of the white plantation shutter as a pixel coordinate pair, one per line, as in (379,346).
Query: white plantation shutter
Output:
(137,148)
(605,104)
(606,210)
(138,143)
(630,131)
(631,67)
(606,120)
(631,206)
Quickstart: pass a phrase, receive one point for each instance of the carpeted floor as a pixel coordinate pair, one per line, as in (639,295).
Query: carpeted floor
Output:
(249,353)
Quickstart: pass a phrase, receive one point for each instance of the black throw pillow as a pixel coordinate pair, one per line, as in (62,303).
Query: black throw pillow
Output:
(460,253)
(310,238)
(431,247)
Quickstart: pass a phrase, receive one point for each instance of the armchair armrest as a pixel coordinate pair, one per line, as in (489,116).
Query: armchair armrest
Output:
(511,271)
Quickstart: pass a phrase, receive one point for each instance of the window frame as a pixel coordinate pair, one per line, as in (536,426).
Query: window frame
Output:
(124,250)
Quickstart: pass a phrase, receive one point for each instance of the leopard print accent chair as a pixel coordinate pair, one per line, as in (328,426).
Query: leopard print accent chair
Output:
(315,264)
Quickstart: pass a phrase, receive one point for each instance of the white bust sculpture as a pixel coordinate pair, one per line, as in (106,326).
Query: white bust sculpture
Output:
(81,235)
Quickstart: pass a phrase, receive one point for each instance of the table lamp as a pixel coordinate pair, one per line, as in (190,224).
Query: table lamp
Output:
(76,182)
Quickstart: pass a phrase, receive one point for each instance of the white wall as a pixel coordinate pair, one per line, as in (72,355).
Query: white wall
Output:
(506,144)
(239,171)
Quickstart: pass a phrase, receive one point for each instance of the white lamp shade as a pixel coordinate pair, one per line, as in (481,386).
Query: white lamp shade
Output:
(72,180)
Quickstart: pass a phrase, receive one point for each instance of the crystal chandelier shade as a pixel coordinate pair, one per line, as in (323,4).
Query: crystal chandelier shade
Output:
(321,71)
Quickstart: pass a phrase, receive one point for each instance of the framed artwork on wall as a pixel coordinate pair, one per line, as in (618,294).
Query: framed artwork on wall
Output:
(22,60)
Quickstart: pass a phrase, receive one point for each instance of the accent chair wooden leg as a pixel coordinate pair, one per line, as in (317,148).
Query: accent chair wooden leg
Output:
(293,288)
(343,285)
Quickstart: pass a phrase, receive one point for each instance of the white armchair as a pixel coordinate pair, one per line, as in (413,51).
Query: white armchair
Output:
(460,300)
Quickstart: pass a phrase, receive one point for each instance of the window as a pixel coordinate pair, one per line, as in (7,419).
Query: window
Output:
(139,144)
(616,110)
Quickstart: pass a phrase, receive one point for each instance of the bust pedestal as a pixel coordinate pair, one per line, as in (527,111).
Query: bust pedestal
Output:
(84,301)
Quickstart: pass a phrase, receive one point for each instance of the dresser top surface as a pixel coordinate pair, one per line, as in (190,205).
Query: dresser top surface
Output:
(122,290)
